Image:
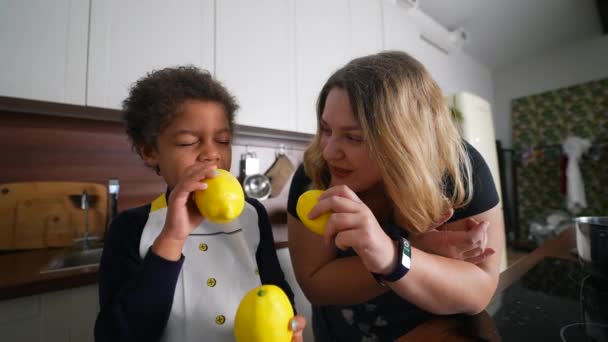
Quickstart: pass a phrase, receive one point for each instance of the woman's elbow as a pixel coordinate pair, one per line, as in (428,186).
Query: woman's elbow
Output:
(316,295)
(472,306)
(474,303)
(482,299)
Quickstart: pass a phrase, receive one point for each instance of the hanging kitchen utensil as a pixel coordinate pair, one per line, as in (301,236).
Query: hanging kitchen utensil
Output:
(255,184)
(279,172)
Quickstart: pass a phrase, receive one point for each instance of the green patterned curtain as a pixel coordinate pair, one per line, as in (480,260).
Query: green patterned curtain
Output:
(540,124)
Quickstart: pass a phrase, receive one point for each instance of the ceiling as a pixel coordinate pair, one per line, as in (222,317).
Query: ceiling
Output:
(503,32)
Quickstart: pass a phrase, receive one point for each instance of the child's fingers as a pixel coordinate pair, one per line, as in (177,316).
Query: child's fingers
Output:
(297,325)
(200,171)
(192,180)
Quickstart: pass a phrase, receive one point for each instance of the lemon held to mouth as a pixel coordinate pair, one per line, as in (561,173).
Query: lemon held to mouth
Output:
(306,202)
(264,315)
(223,200)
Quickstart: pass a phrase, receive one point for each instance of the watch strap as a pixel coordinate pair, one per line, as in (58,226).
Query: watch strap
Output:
(403,265)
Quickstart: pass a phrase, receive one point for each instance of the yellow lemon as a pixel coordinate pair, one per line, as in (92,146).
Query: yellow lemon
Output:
(223,200)
(264,315)
(306,202)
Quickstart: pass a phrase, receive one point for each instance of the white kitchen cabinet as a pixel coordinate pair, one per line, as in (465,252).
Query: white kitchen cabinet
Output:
(43,45)
(366,33)
(67,315)
(131,38)
(329,35)
(322,46)
(400,31)
(255,59)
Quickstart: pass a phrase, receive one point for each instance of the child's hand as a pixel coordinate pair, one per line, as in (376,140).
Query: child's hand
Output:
(182,215)
(297,326)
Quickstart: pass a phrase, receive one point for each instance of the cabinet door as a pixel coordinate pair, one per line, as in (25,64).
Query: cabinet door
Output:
(322,46)
(130,38)
(20,319)
(43,45)
(365,27)
(255,59)
(69,315)
(400,31)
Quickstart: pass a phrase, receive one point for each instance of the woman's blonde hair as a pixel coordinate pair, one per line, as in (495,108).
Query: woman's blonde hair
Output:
(410,134)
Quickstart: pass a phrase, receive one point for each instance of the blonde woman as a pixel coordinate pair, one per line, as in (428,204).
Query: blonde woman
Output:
(392,163)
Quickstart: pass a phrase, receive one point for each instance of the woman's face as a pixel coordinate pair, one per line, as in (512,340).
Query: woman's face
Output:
(346,153)
(201,134)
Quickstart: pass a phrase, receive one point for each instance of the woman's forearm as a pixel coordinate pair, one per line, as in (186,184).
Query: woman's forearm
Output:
(445,286)
(434,283)
(343,281)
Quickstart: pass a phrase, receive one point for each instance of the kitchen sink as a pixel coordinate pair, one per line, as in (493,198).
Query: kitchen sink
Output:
(74,260)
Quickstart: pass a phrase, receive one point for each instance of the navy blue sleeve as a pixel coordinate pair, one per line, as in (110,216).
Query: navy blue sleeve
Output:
(135,294)
(485,196)
(266,255)
(299,184)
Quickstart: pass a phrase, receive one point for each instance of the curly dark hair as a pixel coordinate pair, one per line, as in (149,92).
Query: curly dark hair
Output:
(157,98)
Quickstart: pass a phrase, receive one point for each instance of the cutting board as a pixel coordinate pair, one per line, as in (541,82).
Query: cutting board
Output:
(48,214)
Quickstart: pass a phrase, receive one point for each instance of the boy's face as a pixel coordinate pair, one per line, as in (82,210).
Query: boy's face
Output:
(199,135)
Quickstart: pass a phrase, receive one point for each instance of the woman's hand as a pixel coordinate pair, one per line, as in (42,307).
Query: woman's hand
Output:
(182,215)
(463,242)
(352,224)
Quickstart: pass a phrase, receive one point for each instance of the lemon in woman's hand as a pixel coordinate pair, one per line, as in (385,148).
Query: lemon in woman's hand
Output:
(264,315)
(223,200)
(306,202)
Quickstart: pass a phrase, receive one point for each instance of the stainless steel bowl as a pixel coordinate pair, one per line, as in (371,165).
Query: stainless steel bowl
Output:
(592,243)
(257,186)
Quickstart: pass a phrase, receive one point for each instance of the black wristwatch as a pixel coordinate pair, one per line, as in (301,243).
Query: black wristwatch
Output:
(403,265)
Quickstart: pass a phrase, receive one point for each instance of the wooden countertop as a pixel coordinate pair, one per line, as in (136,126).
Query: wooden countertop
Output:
(21,273)
(481,326)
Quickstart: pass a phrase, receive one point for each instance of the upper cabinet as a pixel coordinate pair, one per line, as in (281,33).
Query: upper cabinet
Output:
(328,35)
(255,59)
(273,55)
(131,38)
(322,46)
(365,27)
(43,45)
(400,32)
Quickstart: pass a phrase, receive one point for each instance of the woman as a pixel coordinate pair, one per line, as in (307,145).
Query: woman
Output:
(392,163)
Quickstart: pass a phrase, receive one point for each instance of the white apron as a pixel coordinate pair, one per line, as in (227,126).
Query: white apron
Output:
(219,268)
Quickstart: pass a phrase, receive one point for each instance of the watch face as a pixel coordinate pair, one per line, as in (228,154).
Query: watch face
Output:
(406,259)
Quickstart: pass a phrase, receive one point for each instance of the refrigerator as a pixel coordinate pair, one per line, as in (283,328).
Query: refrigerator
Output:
(477,128)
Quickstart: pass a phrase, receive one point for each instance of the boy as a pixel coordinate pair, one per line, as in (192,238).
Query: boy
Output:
(166,272)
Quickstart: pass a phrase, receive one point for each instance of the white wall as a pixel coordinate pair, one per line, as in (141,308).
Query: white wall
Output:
(566,66)
(454,72)
(463,73)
